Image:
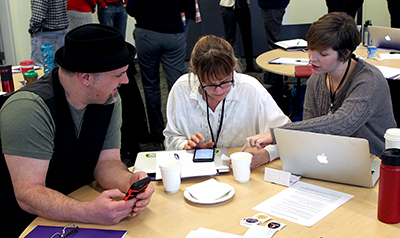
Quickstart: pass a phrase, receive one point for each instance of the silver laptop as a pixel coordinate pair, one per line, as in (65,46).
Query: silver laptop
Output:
(146,161)
(385,37)
(327,157)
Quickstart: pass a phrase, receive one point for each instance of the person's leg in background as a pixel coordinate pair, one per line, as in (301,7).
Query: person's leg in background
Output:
(394,10)
(36,54)
(54,38)
(173,57)
(120,19)
(229,20)
(243,18)
(114,15)
(272,19)
(348,6)
(148,50)
(134,128)
(58,42)
(105,15)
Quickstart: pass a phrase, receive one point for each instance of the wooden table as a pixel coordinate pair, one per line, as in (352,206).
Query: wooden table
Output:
(171,215)
(288,70)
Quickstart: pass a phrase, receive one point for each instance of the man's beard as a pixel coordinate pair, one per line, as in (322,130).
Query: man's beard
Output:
(112,98)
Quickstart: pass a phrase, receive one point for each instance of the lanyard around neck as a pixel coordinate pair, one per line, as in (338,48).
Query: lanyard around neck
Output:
(220,121)
(340,84)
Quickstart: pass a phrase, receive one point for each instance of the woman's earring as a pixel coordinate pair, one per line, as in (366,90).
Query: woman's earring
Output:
(87,85)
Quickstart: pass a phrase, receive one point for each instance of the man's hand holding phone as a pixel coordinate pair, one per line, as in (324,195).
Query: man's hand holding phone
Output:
(143,198)
(136,188)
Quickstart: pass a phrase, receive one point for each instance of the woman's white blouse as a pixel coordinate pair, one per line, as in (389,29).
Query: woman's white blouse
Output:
(249,110)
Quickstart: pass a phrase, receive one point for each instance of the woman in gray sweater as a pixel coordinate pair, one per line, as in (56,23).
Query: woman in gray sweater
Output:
(345,96)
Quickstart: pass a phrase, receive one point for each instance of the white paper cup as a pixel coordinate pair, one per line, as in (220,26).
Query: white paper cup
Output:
(392,138)
(241,166)
(171,176)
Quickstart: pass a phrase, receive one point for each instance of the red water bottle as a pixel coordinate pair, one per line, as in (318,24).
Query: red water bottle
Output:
(389,187)
(7,82)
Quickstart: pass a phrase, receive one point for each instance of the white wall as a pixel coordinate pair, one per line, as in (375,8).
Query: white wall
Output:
(15,26)
(20,15)
(308,11)
(376,10)
(7,36)
(304,11)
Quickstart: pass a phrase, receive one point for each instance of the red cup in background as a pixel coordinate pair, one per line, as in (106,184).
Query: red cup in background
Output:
(26,65)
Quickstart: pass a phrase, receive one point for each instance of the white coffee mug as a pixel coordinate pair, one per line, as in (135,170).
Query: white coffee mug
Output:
(241,166)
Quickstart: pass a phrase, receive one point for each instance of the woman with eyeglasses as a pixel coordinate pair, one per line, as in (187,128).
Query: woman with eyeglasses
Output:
(216,106)
(345,95)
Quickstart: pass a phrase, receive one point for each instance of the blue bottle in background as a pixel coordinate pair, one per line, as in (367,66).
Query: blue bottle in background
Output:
(48,60)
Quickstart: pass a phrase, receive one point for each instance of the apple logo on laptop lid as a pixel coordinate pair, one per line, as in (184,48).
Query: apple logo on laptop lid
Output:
(323,159)
(387,38)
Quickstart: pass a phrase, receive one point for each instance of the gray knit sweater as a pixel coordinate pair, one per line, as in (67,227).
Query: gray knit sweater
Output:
(362,108)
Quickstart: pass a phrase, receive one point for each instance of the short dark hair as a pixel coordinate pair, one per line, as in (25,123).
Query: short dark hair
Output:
(337,30)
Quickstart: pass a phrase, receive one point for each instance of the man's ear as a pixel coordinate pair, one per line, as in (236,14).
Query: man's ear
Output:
(84,78)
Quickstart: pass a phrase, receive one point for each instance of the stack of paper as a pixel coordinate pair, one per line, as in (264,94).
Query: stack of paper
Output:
(389,72)
(389,56)
(303,203)
(292,45)
(290,61)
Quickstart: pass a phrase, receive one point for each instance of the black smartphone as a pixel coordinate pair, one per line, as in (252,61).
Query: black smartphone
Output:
(204,155)
(137,187)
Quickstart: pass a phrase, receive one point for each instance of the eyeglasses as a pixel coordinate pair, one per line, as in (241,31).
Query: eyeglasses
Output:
(213,87)
(72,230)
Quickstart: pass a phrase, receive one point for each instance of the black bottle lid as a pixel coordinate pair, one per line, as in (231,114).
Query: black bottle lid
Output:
(391,157)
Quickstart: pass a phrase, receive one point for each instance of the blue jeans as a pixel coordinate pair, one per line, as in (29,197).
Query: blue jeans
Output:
(54,38)
(153,48)
(114,15)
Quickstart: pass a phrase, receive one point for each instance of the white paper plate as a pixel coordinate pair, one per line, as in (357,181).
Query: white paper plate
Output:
(222,199)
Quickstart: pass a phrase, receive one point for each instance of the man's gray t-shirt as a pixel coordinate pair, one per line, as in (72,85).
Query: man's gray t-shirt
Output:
(27,128)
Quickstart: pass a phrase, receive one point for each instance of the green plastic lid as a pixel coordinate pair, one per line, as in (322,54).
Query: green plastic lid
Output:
(30,73)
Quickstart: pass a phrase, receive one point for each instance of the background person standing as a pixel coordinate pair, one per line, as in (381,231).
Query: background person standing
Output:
(48,24)
(159,38)
(113,13)
(238,11)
